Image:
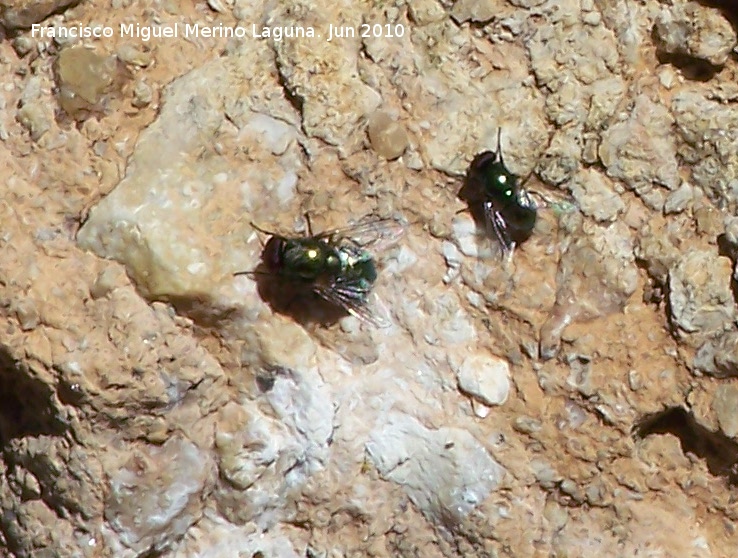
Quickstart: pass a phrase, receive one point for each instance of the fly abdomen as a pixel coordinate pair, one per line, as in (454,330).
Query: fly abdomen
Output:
(521,221)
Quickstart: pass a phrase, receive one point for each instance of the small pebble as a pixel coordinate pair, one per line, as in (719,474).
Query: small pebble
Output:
(143,94)
(105,282)
(677,201)
(387,136)
(527,425)
(129,54)
(83,77)
(23,45)
(34,119)
(485,379)
(27,314)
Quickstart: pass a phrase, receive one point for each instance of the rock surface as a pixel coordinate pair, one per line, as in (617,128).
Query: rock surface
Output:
(700,297)
(21,14)
(690,29)
(577,399)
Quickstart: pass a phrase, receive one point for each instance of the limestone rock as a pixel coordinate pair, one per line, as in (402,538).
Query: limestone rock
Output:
(640,152)
(595,197)
(719,356)
(332,96)
(170,180)
(726,409)
(606,253)
(406,452)
(151,403)
(487,380)
(84,77)
(155,496)
(21,14)
(699,294)
(691,29)
(710,144)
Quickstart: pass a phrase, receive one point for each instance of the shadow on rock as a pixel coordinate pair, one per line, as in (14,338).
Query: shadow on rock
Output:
(203,309)
(296,300)
(718,450)
(472,193)
(729,250)
(27,405)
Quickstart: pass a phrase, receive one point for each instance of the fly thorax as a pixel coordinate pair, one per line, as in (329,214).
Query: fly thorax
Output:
(349,258)
(501,188)
(358,263)
(305,260)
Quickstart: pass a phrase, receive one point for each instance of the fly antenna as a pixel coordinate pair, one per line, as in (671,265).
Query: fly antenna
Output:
(250,272)
(309,224)
(499,145)
(263,231)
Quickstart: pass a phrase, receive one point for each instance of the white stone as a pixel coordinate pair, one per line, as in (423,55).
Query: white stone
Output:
(487,379)
(445,472)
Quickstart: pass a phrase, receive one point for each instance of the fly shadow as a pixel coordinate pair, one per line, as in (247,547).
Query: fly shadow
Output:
(295,300)
(472,191)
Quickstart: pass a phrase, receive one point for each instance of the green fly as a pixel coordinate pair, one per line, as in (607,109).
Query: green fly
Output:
(338,265)
(508,209)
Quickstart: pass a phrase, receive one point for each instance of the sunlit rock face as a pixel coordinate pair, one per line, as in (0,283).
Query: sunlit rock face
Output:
(165,391)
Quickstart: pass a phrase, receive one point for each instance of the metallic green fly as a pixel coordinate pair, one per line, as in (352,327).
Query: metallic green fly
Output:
(338,265)
(509,210)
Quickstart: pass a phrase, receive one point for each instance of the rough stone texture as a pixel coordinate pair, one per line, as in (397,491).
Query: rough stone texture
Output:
(332,95)
(679,199)
(595,197)
(165,485)
(659,252)
(446,472)
(641,152)
(21,14)
(719,357)
(700,297)
(726,409)
(710,141)
(690,29)
(170,180)
(555,404)
(596,276)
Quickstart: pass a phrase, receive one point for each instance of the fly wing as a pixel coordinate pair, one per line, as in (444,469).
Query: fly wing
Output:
(374,234)
(496,227)
(357,301)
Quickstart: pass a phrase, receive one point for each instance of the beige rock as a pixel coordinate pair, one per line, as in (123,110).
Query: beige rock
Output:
(153,403)
(691,29)
(388,137)
(21,14)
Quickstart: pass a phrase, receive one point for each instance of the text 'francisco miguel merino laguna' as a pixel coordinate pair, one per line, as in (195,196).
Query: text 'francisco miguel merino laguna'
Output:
(184,30)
